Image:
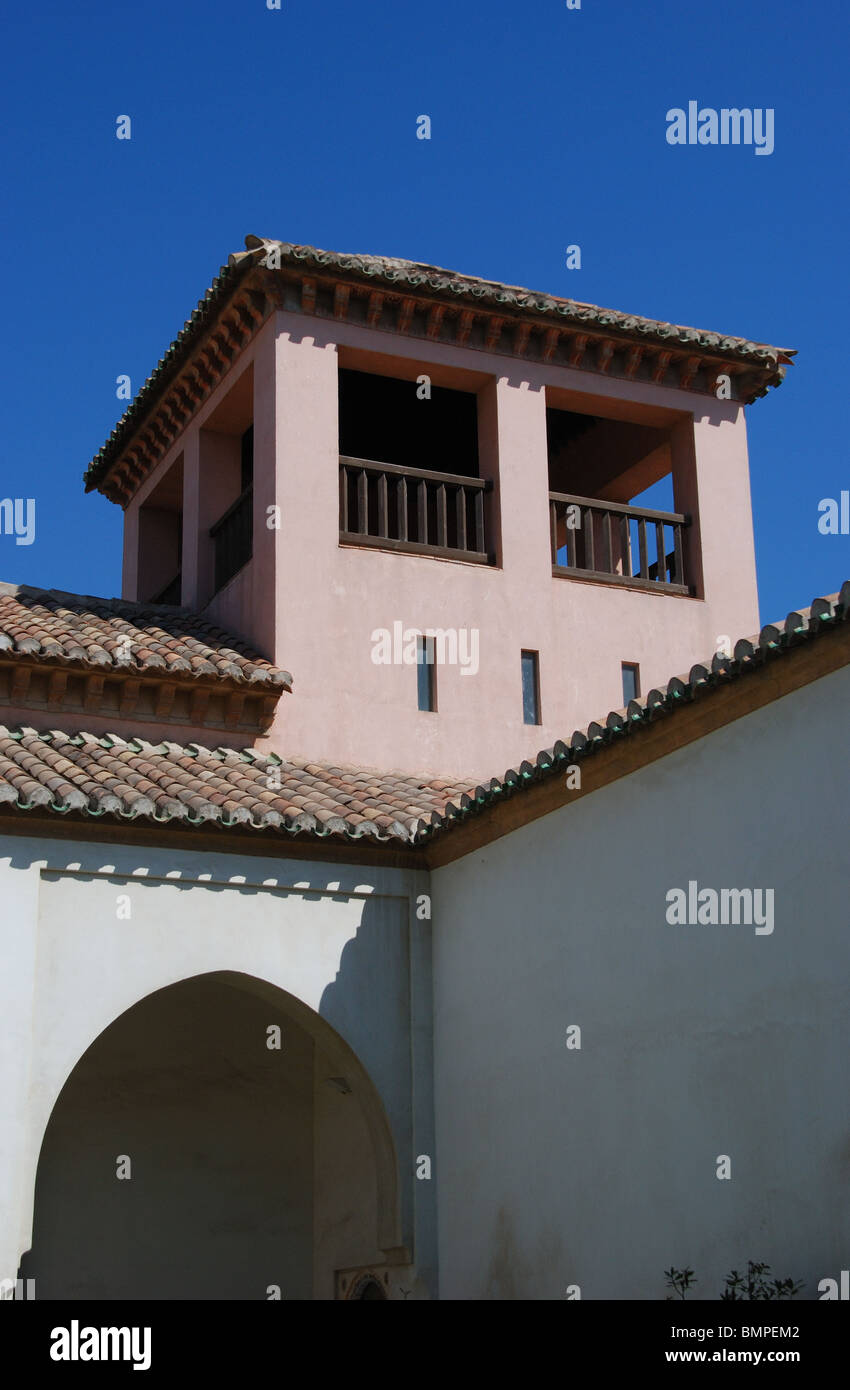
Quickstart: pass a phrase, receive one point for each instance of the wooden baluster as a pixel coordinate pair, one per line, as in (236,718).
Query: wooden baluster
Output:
(553,531)
(606,536)
(442,519)
(644,562)
(343,498)
(460,508)
(589,540)
(362,503)
(479,520)
(679,577)
(570,539)
(626,546)
(661,576)
(382,505)
(422,512)
(401,503)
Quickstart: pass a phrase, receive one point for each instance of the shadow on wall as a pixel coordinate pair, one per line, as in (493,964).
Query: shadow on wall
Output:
(177,1162)
(188,1157)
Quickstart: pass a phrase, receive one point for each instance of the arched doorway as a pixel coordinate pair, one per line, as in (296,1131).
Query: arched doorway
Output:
(368,1288)
(217,1141)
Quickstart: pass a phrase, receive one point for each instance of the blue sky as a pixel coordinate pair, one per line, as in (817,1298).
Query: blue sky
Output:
(548,128)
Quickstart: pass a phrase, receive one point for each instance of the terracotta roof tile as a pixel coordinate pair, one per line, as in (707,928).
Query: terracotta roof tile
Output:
(192,784)
(398,275)
(118,635)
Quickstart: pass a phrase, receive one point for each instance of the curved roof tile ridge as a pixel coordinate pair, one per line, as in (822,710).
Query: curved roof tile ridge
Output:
(458,283)
(748,655)
(169,782)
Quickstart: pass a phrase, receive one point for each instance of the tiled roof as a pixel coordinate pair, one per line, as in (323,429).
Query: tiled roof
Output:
(430,282)
(169,782)
(193,785)
(115,635)
(394,272)
(749,655)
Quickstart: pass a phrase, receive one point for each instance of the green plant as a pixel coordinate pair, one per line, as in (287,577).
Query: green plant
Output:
(679,1280)
(755,1284)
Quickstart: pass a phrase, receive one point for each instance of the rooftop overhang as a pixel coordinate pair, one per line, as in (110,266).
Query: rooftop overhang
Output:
(48,687)
(413,301)
(75,654)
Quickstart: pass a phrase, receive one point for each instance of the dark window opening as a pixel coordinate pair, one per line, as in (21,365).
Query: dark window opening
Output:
(408,468)
(426,675)
(530,688)
(383,419)
(631,682)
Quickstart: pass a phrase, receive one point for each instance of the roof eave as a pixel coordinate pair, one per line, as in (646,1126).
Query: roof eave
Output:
(262,271)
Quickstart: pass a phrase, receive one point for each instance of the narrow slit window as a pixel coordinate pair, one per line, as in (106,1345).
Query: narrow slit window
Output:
(530,688)
(631,681)
(426,675)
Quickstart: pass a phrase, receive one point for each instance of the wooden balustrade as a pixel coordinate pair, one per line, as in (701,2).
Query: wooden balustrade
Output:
(233,535)
(615,544)
(412,509)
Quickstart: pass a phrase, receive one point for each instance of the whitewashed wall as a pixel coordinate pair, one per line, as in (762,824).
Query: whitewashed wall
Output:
(345,945)
(554,1167)
(597,1167)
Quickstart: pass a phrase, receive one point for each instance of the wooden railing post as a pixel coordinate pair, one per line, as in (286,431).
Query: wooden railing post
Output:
(460,504)
(644,562)
(401,503)
(343,498)
(382,505)
(660,553)
(678,578)
(479,522)
(442,528)
(570,538)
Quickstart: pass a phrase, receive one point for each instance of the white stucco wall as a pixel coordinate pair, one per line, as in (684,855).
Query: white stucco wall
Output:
(597,1167)
(343,942)
(552,1167)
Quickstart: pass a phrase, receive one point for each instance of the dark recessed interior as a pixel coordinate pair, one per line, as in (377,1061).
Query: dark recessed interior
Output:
(382,419)
(594,457)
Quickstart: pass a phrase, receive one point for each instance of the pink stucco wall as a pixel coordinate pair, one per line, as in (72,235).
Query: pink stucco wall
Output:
(312,605)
